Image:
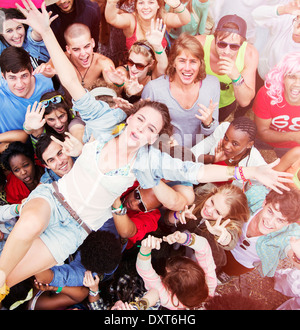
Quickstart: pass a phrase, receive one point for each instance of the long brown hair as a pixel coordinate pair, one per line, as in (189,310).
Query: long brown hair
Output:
(185,279)
(186,42)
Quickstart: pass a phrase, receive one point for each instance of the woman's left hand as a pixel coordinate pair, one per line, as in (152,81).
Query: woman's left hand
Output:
(269,177)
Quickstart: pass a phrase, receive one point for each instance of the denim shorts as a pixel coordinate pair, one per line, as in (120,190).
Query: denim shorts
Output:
(63,235)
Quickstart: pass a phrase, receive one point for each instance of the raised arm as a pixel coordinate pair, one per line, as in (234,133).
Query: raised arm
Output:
(116,18)
(40,22)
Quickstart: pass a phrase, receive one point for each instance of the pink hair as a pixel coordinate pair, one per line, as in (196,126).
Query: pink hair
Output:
(274,82)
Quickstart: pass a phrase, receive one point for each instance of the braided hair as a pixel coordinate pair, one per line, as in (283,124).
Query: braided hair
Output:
(246,125)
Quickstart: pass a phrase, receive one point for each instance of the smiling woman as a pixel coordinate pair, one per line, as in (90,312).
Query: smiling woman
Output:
(20,35)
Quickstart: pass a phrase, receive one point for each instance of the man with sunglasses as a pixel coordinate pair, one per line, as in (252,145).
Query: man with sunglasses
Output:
(271,233)
(233,61)
(138,211)
(282,22)
(19,88)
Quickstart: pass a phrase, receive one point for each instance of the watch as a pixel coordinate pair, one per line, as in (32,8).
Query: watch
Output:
(121,210)
(210,125)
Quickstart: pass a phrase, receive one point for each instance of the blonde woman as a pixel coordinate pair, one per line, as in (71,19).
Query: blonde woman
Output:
(220,213)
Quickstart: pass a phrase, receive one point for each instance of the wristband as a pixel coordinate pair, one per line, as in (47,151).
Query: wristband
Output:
(59,289)
(179,12)
(158,53)
(94,293)
(26,130)
(145,255)
(16,209)
(236,80)
(120,85)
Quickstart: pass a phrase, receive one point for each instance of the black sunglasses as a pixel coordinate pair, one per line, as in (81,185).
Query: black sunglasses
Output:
(139,66)
(223,44)
(137,196)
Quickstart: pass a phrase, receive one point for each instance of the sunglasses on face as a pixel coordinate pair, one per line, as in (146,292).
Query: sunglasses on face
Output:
(223,45)
(55,100)
(139,66)
(137,196)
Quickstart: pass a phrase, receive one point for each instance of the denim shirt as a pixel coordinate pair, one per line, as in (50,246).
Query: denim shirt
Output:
(151,164)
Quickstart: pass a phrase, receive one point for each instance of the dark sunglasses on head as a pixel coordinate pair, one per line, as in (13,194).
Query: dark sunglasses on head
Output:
(223,44)
(137,196)
(139,66)
(55,100)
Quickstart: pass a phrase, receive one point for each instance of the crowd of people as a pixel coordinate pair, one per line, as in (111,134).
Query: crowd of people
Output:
(131,138)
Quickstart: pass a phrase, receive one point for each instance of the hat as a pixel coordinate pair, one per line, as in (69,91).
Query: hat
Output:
(239,21)
(99,91)
(50,2)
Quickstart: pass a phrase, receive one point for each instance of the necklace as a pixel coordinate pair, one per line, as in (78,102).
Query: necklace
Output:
(82,77)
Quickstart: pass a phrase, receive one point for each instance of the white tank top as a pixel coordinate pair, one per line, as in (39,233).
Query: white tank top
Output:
(90,192)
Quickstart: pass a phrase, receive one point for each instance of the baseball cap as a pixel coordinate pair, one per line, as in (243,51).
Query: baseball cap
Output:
(239,21)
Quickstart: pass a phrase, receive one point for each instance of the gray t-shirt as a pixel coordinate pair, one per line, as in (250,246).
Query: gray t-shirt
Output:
(187,128)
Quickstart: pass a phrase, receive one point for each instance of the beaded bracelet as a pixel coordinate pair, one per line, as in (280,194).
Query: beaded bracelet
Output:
(243,178)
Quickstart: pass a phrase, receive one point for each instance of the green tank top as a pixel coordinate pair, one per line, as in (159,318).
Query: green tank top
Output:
(226,96)
(296,179)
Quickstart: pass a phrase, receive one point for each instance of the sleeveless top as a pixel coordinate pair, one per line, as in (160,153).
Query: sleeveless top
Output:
(90,192)
(131,40)
(226,96)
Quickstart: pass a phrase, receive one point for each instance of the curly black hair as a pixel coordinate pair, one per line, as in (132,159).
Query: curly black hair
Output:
(14,149)
(101,252)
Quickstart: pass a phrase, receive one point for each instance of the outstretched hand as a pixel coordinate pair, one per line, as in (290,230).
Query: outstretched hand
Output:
(273,179)
(39,21)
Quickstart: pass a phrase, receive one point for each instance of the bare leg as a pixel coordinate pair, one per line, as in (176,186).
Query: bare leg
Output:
(24,241)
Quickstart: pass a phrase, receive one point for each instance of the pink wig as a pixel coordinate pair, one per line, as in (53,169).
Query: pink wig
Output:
(289,64)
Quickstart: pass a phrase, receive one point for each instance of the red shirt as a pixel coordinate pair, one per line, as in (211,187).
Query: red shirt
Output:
(145,222)
(285,117)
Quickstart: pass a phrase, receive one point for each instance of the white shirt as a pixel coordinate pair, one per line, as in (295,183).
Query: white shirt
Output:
(279,42)
(245,249)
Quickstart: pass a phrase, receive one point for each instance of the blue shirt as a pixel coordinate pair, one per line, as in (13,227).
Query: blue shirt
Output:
(13,108)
